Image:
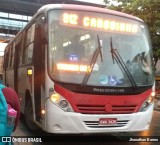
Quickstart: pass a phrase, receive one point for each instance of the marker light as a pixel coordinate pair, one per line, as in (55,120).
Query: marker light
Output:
(153,94)
(29,72)
(43,111)
(55,98)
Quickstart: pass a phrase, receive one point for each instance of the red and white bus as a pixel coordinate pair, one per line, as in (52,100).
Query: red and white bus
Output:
(82,69)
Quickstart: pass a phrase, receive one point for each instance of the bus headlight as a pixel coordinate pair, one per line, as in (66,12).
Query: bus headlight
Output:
(147,103)
(55,98)
(61,102)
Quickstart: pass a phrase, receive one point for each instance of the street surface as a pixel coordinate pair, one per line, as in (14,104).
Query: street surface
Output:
(98,139)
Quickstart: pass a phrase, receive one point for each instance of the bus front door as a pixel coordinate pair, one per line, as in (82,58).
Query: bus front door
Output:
(39,72)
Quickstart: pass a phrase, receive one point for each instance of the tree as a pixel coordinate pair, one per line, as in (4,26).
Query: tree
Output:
(149,12)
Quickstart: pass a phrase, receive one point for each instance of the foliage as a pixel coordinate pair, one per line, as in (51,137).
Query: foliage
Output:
(149,12)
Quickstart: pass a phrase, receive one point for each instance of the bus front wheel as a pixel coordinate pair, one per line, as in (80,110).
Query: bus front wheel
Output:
(28,114)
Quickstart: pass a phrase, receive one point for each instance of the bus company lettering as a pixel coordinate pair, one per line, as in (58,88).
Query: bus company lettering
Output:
(26,139)
(108,90)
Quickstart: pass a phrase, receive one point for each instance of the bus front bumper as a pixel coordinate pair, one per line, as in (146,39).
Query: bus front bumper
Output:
(58,121)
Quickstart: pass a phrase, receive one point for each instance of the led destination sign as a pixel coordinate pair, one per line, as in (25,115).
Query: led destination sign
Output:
(99,23)
(72,67)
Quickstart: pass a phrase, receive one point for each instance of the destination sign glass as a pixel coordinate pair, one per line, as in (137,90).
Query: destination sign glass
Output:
(98,21)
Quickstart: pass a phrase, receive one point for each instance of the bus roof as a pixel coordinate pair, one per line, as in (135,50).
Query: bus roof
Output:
(85,8)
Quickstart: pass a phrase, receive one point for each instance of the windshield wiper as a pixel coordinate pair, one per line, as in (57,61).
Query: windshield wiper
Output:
(93,61)
(116,56)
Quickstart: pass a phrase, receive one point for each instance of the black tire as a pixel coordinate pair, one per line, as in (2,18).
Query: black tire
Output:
(28,115)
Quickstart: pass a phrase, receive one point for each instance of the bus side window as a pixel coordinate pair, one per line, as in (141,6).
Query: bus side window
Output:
(28,45)
(18,47)
(6,58)
(13,55)
(10,56)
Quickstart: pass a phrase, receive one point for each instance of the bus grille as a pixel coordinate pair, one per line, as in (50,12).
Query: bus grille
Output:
(95,124)
(115,109)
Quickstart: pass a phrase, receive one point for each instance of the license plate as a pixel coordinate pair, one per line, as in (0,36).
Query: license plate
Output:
(107,121)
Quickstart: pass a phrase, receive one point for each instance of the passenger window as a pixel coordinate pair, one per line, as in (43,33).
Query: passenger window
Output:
(6,58)
(10,56)
(18,46)
(12,53)
(28,45)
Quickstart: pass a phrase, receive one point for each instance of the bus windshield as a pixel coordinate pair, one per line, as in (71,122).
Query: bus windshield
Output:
(96,49)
